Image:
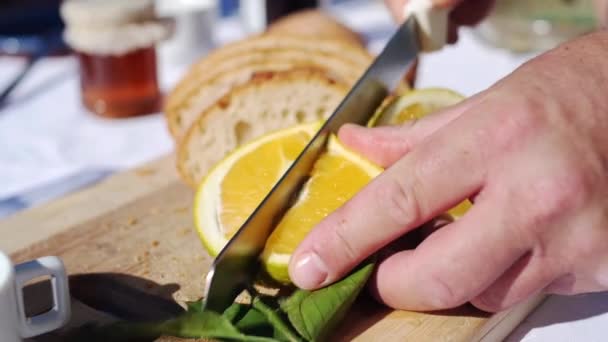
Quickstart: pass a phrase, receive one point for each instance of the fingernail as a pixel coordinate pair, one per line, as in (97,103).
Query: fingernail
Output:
(309,272)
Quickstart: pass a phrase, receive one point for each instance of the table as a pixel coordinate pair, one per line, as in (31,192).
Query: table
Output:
(50,145)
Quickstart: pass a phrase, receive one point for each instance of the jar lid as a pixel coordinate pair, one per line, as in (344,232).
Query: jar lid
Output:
(112,27)
(106,12)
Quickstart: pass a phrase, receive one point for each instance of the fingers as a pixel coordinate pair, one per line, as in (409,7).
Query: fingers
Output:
(526,278)
(382,145)
(453,265)
(395,7)
(385,145)
(402,198)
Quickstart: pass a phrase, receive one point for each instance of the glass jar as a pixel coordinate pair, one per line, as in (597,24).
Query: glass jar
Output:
(115,43)
(537,25)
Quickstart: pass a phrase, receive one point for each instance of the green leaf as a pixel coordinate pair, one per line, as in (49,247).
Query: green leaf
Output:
(236,311)
(253,322)
(314,314)
(194,306)
(246,318)
(204,324)
(282,330)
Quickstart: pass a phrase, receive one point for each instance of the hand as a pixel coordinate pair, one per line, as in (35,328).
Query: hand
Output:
(532,153)
(465,12)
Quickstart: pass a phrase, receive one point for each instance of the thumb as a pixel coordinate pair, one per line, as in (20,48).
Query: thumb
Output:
(387,144)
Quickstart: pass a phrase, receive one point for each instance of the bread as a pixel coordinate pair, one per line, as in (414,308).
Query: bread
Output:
(277,40)
(315,23)
(267,102)
(214,76)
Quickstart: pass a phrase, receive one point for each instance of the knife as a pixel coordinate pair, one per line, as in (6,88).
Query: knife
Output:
(237,264)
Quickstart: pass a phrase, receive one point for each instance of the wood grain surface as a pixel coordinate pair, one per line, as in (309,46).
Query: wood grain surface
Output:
(132,235)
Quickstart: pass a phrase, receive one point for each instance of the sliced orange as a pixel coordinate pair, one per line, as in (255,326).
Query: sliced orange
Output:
(237,184)
(336,177)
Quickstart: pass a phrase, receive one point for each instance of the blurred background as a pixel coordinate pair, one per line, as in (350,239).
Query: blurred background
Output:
(56,136)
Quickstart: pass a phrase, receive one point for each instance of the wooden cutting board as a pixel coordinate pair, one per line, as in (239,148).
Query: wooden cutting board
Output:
(135,229)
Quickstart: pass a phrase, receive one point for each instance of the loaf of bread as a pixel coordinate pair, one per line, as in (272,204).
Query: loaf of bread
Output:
(267,102)
(315,23)
(234,64)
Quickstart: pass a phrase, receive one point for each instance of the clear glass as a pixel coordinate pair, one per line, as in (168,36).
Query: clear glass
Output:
(537,25)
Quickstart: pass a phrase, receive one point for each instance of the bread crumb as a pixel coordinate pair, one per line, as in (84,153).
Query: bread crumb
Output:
(145,172)
(223,102)
(155,243)
(132,221)
(181,210)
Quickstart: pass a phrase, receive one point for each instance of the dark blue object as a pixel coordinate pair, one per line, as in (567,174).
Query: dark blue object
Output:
(29,17)
(228,7)
(35,48)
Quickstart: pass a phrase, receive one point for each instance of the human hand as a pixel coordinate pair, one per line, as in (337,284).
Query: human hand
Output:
(465,12)
(532,153)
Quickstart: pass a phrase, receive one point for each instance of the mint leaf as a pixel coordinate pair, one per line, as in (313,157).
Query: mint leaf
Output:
(314,314)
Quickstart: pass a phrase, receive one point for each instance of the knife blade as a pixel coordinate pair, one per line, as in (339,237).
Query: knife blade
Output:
(238,262)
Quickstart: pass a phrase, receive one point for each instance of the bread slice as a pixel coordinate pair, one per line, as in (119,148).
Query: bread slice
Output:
(181,115)
(267,102)
(199,89)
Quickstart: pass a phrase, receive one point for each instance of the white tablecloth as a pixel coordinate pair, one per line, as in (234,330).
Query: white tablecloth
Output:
(50,145)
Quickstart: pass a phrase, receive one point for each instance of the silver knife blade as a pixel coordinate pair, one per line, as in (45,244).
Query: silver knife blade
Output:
(238,262)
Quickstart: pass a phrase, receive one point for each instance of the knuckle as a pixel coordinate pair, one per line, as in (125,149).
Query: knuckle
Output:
(558,195)
(509,129)
(402,203)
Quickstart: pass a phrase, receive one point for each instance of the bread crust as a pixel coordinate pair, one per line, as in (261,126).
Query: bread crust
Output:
(316,23)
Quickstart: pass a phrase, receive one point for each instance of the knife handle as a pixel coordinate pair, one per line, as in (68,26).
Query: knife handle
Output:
(432,23)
